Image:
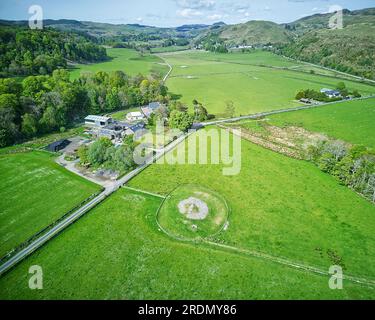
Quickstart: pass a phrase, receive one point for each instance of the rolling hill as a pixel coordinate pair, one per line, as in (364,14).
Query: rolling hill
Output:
(255,33)
(351,49)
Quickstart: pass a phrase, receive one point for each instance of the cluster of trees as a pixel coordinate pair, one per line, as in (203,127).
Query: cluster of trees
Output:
(110,91)
(180,118)
(315,95)
(149,45)
(103,154)
(213,43)
(42,104)
(31,52)
(319,96)
(200,112)
(39,104)
(353,166)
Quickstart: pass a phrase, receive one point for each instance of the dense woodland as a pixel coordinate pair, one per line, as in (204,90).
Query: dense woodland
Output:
(31,52)
(42,104)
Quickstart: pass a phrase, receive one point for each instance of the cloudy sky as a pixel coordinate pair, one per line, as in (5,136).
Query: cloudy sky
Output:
(167,13)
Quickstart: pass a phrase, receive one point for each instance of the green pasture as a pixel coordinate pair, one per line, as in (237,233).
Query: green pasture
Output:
(117,252)
(352,121)
(283,207)
(127,60)
(255,82)
(34,192)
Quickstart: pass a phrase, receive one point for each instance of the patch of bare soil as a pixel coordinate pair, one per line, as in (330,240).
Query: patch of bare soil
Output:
(291,141)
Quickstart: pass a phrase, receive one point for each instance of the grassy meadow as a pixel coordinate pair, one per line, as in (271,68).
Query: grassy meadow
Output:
(127,60)
(352,121)
(122,255)
(34,192)
(255,82)
(284,207)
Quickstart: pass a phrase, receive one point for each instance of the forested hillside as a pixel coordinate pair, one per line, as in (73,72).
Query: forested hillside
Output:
(351,49)
(255,33)
(31,52)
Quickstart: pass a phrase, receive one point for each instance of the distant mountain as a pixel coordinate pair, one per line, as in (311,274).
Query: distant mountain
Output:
(190,27)
(350,49)
(255,33)
(321,21)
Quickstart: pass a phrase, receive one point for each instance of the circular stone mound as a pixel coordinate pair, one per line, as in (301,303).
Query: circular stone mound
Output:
(193,208)
(192,212)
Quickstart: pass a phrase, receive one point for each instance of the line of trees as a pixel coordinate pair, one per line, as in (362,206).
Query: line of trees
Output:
(42,104)
(39,52)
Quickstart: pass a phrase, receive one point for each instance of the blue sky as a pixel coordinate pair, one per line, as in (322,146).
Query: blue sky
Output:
(167,13)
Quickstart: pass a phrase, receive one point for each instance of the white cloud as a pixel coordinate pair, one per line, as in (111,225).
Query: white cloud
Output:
(139,19)
(189,13)
(196,4)
(215,17)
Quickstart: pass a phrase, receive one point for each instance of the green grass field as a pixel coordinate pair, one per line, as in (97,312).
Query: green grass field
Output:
(117,252)
(129,61)
(34,192)
(351,121)
(284,207)
(254,81)
(278,206)
(169,49)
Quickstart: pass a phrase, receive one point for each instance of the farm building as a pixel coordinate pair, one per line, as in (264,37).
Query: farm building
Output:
(113,131)
(134,116)
(97,121)
(134,128)
(58,145)
(150,109)
(331,93)
(307,101)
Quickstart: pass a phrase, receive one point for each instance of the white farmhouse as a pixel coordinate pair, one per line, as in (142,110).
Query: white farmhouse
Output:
(135,116)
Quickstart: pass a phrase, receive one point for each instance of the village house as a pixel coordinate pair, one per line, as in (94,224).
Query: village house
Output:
(112,129)
(135,116)
(150,109)
(331,93)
